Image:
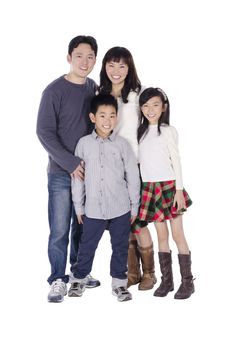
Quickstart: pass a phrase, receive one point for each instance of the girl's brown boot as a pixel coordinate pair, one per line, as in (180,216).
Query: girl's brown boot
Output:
(134,273)
(166,285)
(147,257)
(187,287)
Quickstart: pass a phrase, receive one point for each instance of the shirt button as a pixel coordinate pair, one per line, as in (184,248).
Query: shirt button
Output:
(101,179)
(101,166)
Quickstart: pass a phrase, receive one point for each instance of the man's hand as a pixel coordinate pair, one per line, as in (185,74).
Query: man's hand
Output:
(79,172)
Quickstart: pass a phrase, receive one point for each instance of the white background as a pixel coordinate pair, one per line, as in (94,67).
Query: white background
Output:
(182,47)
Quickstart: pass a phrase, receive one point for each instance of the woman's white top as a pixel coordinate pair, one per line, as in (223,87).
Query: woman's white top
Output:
(159,156)
(128,119)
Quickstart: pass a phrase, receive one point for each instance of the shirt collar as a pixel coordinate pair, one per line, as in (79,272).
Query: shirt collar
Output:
(111,137)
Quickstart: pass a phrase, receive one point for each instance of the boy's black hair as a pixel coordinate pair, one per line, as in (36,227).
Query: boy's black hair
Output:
(103,99)
(164,118)
(82,39)
(132,81)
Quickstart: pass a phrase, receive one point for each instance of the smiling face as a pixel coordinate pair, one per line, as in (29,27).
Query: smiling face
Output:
(82,61)
(153,109)
(105,120)
(117,72)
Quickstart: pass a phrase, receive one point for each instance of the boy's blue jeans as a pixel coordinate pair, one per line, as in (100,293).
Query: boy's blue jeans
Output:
(61,217)
(93,229)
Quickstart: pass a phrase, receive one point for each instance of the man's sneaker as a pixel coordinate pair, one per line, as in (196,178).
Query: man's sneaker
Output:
(76,289)
(122,294)
(57,292)
(90,281)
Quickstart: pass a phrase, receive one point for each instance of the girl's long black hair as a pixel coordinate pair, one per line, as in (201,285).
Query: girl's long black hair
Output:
(132,81)
(143,122)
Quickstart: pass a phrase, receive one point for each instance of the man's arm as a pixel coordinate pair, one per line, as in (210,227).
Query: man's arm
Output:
(78,187)
(47,132)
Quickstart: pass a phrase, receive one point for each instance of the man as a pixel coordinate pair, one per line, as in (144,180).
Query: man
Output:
(62,121)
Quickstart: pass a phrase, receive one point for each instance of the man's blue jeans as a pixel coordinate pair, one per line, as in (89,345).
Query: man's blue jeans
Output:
(61,217)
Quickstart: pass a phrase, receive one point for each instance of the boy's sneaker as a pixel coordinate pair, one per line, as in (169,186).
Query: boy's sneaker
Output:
(76,289)
(91,282)
(122,294)
(57,292)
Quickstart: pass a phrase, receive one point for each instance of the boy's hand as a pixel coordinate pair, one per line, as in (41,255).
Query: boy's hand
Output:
(79,172)
(133,219)
(179,200)
(79,219)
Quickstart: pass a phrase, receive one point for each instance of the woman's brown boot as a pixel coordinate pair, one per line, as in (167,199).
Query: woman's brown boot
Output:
(187,287)
(166,285)
(134,273)
(148,267)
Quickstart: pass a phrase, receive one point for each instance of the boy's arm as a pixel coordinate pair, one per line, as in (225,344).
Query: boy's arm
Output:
(132,177)
(46,130)
(78,196)
(78,186)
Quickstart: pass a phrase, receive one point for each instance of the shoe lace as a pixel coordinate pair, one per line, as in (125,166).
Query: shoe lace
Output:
(57,286)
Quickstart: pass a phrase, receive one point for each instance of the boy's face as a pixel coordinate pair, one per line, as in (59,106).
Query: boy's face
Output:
(105,120)
(82,61)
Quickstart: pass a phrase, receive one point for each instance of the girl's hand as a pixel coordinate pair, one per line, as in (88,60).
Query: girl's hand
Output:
(133,219)
(179,201)
(79,219)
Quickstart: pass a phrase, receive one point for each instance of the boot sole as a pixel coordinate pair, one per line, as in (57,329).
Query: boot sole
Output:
(163,295)
(178,298)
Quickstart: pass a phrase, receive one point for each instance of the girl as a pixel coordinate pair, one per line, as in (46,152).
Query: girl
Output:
(163,196)
(118,77)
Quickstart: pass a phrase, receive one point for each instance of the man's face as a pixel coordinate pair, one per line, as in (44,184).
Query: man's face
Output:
(82,61)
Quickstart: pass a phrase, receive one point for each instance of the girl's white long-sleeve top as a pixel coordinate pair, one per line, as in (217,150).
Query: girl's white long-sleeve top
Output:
(128,119)
(159,156)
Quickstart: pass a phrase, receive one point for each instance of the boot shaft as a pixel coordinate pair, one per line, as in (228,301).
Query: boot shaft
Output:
(166,286)
(185,267)
(148,267)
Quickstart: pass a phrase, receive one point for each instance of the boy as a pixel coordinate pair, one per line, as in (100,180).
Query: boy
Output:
(108,197)
(62,121)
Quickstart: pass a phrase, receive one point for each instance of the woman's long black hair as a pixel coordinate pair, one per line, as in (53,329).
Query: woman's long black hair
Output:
(164,119)
(132,81)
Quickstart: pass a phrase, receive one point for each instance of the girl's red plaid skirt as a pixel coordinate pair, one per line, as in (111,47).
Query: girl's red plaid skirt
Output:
(157,203)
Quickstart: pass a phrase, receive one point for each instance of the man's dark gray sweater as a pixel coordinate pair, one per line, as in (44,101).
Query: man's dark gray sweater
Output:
(63,118)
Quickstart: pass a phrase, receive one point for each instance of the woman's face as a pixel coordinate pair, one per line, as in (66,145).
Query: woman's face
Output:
(117,71)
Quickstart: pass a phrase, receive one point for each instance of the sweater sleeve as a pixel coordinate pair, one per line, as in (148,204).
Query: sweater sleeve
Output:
(46,129)
(78,186)
(132,177)
(172,140)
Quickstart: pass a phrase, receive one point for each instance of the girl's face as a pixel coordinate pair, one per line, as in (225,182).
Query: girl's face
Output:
(117,71)
(153,109)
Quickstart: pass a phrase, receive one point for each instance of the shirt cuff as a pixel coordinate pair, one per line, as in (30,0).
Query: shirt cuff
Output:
(134,210)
